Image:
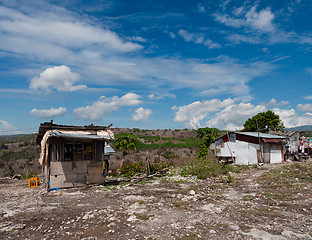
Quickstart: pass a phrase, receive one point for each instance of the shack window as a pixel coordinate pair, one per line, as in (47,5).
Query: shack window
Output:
(68,152)
(88,152)
(78,152)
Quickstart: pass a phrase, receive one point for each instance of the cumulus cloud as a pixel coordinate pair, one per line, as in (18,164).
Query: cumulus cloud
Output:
(105,106)
(60,78)
(291,118)
(141,114)
(273,102)
(193,113)
(234,116)
(305,107)
(48,113)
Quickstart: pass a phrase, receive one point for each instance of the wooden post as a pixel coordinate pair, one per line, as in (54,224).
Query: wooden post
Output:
(259,141)
(148,165)
(230,145)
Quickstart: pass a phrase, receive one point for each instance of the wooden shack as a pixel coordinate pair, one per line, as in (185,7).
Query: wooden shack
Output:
(74,156)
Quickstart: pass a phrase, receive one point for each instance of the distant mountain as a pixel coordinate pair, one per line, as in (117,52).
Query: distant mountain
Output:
(303,128)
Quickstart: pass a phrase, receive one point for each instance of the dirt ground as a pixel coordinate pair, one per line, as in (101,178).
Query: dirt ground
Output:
(257,204)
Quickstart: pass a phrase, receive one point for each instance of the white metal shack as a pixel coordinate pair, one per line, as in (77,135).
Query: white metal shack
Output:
(247,148)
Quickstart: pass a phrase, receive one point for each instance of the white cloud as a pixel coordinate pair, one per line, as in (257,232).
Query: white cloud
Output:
(7,128)
(258,27)
(59,77)
(141,114)
(239,38)
(273,102)
(309,70)
(201,8)
(154,97)
(308,97)
(54,33)
(191,37)
(179,73)
(305,107)
(234,116)
(48,113)
(5,125)
(262,20)
(292,119)
(95,62)
(198,38)
(210,44)
(195,112)
(105,106)
(172,35)
(137,39)
(238,11)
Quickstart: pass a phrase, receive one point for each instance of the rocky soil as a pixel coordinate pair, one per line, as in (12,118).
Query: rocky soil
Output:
(267,202)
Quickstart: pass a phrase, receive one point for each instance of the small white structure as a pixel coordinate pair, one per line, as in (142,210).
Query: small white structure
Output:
(246,148)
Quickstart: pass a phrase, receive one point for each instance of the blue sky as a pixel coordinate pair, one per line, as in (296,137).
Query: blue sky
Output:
(154,64)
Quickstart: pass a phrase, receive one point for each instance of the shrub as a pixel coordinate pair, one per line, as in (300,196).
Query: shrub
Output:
(158,165)
(29,175)
(3,146)
(131,169)
(168,155)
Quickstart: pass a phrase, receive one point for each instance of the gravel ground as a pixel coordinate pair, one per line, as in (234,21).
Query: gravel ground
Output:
(265,202)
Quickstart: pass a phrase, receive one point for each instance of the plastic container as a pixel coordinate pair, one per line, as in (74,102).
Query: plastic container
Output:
(33,182)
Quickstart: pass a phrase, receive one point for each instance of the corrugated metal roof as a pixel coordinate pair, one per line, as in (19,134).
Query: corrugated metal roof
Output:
(78,136)
(262,135)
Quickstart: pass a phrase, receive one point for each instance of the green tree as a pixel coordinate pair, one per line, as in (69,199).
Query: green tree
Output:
(267,121)
(208,135)
(125,142)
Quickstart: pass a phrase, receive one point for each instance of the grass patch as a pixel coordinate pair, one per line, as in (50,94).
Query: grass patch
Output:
(179,204)
(204,168)
(283,183)
(156,142)
(142,216)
